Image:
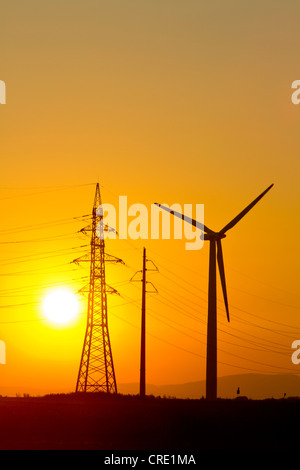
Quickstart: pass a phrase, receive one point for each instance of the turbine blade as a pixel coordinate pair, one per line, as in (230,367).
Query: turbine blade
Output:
(244,212)
(222,275)
(186,219)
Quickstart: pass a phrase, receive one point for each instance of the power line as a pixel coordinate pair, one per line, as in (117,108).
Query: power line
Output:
(49,190)
(33,271)
(176,307)
(36,240)
(260,345)
(232,287)
(40,286)
(24,228)
(261,348)
(38,256)
(264,348)
(231,306)
(222,350)
(192,352)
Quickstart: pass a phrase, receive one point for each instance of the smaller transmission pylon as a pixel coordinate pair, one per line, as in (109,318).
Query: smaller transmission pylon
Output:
(96,371)
(143,322)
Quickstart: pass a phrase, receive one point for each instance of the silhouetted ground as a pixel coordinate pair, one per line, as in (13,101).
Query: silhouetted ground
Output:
(100,421)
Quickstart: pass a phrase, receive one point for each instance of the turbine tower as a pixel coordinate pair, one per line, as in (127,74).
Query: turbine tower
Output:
(96,371)
(215,256)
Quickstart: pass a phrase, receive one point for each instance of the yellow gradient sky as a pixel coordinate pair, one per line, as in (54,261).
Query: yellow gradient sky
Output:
(167,101)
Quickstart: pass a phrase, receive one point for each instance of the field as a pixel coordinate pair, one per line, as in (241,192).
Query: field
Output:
(106,422)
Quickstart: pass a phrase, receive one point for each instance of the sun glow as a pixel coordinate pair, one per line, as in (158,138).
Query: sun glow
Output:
(61,306)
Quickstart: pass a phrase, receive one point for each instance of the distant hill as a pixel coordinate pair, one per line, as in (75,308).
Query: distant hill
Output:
(255,386)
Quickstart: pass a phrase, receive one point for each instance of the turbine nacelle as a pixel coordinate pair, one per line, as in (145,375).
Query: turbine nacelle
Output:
(212,236)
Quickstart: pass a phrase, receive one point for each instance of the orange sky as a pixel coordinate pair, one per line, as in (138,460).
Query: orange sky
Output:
(166,101)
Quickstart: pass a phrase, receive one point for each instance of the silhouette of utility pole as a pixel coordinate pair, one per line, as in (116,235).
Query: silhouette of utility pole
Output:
(143,322)
(143,332)
(96,371)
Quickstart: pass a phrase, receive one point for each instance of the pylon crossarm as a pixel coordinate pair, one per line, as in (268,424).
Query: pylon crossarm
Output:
(86,229)
(113,259)
(155,291)
(111,290)
(84,290)
(82,259)
(135,274)
(155,268)
(107,228)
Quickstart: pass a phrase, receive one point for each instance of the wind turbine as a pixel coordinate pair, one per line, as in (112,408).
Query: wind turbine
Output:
(215,255)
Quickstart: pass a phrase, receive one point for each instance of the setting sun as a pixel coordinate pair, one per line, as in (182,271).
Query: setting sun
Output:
(61,306)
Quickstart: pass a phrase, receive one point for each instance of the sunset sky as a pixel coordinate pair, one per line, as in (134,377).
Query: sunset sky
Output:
(162,101)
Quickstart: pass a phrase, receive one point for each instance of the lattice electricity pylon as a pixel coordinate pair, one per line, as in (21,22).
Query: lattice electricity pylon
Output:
(96,371)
